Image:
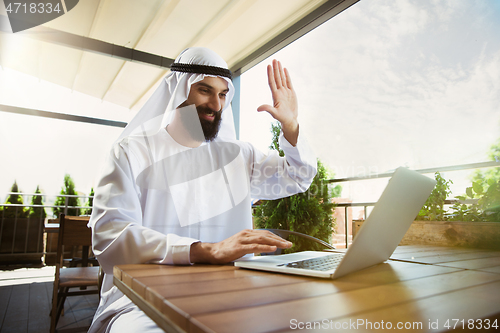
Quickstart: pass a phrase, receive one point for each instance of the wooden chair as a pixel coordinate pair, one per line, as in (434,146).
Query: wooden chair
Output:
(73,231)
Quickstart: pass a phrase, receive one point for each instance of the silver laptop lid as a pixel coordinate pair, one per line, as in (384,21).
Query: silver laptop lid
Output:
(388,222)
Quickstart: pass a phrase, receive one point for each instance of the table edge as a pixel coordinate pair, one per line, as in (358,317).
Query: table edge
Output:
(162,321)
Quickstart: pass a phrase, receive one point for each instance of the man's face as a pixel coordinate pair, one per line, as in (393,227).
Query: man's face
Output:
(209,97)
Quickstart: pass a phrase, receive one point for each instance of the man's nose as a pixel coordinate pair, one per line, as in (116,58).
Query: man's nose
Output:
(215,104)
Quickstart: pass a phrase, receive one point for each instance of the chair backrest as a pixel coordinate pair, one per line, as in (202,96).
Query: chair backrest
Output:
(73,231)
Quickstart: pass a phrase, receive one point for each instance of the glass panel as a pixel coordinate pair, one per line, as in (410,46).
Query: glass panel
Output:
(392,83)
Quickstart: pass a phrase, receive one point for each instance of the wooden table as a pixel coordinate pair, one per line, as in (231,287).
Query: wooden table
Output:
(422,288)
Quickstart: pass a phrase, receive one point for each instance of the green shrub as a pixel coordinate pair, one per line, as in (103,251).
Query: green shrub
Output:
(433,209)
(487,207)
(37,212)
(67,189)
(14,198)
(486,189)
(90,203)
(485,178)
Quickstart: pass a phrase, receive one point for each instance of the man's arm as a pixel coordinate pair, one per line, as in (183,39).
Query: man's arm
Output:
(119,236)
(285,107)
(285,110)
(232,248)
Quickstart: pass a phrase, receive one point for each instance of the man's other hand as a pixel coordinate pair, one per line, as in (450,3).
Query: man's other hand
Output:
(236,246)
(285,106)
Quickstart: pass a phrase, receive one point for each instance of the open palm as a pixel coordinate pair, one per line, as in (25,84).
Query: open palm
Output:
(284,108)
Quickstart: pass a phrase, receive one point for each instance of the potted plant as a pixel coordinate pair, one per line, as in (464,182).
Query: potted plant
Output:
(67,189)
(22,230)
(473,220)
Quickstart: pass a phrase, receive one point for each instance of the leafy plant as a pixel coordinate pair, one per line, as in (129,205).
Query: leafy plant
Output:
(433,209)
(37,212)
(486,190)
(467,212)
(487,207)
(14,198)
(90,203)
(309,212)
(490,203)
(68,189)
(492,175)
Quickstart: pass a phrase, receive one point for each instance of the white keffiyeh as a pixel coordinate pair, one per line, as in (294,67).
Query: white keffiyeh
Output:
(174,90)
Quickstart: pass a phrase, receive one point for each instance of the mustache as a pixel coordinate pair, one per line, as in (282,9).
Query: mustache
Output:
(207,110)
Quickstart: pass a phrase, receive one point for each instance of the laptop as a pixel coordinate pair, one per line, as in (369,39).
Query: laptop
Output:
(374,243)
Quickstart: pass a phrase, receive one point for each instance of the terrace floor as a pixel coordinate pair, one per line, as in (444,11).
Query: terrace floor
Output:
(25,303)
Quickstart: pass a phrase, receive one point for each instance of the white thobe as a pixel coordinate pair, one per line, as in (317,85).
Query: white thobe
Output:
(157,197)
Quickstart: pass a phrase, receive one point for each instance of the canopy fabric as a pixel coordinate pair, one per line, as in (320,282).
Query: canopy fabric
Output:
(243,32)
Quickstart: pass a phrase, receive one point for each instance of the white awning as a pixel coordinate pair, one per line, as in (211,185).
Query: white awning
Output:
(118,50)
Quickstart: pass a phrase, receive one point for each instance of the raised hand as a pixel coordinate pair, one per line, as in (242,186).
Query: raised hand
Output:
(285,107)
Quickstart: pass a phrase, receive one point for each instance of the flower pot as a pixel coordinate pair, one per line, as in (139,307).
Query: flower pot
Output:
(483,235)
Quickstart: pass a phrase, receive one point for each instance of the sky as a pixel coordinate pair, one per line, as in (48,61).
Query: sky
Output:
(394,83)
(382,85)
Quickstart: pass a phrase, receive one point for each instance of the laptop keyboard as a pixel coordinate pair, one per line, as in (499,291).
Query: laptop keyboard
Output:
(318,264)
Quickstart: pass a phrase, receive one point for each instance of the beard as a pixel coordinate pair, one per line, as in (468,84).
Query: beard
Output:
(210,128)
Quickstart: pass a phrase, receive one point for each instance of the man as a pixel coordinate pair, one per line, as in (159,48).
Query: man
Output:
(177,188)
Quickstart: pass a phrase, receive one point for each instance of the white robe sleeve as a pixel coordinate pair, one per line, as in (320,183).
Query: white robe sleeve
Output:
(119,236)
(274,177)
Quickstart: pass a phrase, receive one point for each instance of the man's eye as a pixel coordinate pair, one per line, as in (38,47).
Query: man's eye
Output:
(223,95)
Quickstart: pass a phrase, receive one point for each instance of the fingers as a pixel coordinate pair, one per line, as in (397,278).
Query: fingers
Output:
(267,108)
(271,78)
(258,248)
(264,107)
(282,74)
(288,79)
(236,246)
(278,76)
(265,238)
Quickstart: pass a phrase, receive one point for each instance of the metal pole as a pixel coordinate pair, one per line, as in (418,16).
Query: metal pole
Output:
(27,232)
(14,233)
(65,206)
(1,227)
(346,239)
(38,234)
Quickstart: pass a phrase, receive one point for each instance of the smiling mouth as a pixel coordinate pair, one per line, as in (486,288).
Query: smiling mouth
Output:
(208,114)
